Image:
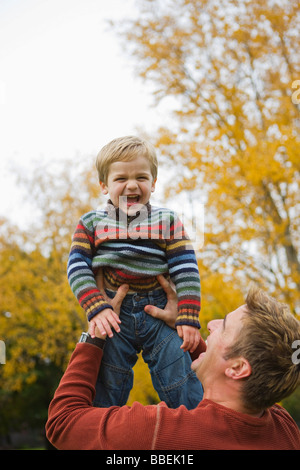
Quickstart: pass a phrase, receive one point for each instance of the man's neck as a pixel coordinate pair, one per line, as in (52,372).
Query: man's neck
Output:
(230,399)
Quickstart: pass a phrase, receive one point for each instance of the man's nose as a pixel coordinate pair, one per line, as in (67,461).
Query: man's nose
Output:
(214,324)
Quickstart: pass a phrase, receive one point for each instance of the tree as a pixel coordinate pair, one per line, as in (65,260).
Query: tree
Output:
(40,319)
(227,68)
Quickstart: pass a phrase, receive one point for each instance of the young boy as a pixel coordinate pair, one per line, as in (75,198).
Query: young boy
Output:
(133,242)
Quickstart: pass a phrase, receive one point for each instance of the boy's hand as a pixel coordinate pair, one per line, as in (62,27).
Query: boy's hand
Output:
(190,336)
(105,321)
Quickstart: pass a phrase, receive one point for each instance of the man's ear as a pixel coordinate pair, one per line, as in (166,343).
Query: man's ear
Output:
(103,187)
(238,369)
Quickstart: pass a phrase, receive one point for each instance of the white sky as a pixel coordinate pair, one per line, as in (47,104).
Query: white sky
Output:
(66,86)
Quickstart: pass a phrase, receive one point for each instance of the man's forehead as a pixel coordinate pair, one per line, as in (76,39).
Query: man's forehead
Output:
(236,315)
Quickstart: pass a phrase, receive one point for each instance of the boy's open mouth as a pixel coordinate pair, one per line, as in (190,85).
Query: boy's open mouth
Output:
(133,199)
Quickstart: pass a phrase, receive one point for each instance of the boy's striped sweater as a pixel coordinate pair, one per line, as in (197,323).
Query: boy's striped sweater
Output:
(134,251)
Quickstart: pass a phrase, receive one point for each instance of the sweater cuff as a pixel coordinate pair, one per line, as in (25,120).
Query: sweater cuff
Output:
(97,309)
(188,317)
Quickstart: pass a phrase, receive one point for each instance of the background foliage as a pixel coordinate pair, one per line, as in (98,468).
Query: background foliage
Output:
(225,69)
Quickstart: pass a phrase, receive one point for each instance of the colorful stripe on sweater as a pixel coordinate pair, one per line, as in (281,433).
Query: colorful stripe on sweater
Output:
(134,251)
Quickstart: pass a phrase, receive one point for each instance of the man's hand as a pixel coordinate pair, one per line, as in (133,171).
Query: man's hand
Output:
(189,334)
(101,325)
(169,313)
(118,299)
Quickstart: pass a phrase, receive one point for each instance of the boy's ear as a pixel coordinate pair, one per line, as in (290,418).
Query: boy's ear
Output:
(103,187)
(153,185)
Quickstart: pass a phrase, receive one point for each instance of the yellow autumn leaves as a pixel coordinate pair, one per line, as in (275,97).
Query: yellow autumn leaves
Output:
(228,67)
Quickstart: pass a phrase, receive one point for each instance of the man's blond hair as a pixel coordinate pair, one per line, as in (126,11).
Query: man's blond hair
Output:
(125,149)
(266,340)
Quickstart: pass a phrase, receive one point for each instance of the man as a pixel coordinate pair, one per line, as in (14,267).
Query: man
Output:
(246,368)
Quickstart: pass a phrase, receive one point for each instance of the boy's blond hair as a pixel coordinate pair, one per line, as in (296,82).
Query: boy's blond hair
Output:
(125,149)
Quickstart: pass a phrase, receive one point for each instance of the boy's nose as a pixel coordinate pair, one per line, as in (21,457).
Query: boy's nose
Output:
(132,184)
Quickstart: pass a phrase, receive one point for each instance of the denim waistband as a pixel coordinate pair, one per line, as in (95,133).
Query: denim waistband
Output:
(148,296)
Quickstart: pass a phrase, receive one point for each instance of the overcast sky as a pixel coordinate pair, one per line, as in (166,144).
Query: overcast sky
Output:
(66,85)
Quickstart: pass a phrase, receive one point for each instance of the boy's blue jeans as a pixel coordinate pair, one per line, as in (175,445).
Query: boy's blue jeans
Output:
(170,367)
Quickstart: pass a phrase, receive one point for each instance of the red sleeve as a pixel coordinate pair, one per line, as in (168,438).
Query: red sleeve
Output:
(200,348)
(73,423)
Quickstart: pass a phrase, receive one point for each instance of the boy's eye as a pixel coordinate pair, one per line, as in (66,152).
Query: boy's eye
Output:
(139,178)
